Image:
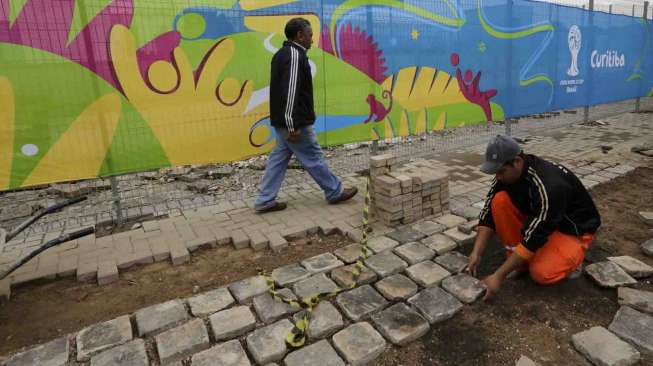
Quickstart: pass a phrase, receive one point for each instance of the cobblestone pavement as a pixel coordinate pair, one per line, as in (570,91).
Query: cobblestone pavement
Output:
(418,282)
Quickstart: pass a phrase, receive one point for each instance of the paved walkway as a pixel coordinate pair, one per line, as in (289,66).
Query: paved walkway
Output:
(401,277)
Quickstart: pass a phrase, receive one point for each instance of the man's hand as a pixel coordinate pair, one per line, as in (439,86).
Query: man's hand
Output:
(474,260)
(493,285)
(293,136)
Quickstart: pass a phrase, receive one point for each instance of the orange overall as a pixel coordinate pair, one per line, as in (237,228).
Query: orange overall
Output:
(559,256)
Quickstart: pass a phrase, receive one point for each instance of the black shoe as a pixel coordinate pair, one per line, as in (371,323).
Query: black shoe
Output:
(346,195)
(278,206)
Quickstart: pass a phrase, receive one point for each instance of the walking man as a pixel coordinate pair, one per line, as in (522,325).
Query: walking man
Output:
(539,210)
(292,115)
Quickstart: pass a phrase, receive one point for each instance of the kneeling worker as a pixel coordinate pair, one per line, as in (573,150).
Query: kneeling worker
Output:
(539,210)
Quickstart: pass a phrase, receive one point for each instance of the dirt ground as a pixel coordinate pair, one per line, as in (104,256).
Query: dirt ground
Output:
(525,319)
(40,312)
(535,321)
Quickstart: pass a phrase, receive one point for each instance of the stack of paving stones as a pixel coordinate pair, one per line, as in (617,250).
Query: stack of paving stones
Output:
(631,331)
(404,197)
(412,281)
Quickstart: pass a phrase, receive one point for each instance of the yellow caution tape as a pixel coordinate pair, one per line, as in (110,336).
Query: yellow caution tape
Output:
(297,336)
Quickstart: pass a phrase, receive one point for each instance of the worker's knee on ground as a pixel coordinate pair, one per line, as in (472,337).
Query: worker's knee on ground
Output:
(501,201)
(545,275)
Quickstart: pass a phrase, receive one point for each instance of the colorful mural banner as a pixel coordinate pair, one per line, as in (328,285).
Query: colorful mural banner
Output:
(96,88)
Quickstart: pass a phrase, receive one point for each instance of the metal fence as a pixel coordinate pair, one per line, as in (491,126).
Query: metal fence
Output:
(170,191)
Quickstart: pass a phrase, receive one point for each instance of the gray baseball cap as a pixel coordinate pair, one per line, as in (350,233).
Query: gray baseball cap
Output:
(500,150)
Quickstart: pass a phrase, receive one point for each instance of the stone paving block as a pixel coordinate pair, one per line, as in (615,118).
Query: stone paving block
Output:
(435,304)
(67,266)
(270,310)
(381,243)
(349,254)
(248,288)
(647,247)
(636,299)
(634,327)
(107,272)
(400,324)
(327,228)
(277,242)
(386,264)
(360,302)
(294,233)
(468,227)
(287,275)
(320,352)
(608,274)
(178,253)
(258,241)
(468,212)
(268,344)
(634,267)
(464,287)
(406,235)
(414,252)
(324,321)
(225,354)
(314,285)
(647,217)
(201,242)
(344,276)
(440,244)
(429,227)
(427,273)
(210,302)
(184,340)
(160,317)
(396,288)
(359,343)
(232,323)
(101,336)
(460,237)
(128,354)
(603,348)
(450,220)
(453,262)
(160,251)
(239,239)
(54,353)
(321,263)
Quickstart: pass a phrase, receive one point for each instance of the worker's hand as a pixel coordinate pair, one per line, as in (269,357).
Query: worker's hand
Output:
(493,285)
(293,136)
(474,260)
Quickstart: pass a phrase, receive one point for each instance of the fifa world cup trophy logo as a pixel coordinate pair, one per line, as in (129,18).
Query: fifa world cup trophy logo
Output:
(575,41)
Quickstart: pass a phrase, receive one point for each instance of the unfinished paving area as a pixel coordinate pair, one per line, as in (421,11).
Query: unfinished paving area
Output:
(413,273)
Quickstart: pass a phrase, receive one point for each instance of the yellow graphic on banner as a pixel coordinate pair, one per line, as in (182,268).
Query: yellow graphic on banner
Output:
(7,131)
(196,118)
(422,88)
(81,150)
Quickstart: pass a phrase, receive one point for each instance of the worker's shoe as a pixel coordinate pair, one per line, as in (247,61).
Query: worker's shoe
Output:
(346,194)
(275,206)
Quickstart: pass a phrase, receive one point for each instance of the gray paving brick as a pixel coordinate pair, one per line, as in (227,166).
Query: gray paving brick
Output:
(184,340)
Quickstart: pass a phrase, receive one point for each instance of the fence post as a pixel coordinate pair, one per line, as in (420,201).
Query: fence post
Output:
(586,109)
(115,194)
(645,16)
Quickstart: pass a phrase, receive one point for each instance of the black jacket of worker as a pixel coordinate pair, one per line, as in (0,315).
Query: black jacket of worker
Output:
(291,88)
(552,198)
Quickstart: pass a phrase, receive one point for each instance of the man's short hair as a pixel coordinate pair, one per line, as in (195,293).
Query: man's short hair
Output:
(294,26)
